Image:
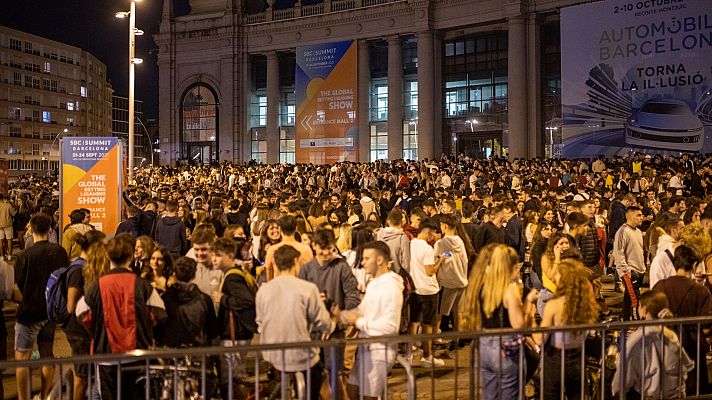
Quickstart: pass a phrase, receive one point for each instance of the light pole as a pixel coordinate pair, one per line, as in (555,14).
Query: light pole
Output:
(133,32)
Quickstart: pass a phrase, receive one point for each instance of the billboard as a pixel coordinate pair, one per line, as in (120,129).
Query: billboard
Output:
(90,177)
(326,100)
(636,76)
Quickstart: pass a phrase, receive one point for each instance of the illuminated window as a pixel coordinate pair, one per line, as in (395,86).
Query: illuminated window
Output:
(46,117)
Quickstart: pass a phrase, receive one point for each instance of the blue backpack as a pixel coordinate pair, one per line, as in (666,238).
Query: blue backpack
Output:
(56,292)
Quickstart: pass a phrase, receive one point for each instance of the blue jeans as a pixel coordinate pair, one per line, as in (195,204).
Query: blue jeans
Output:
(500,373)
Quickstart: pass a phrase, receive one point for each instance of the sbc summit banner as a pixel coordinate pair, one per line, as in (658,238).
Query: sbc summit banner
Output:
(636,76)
(326,98)
(90,178)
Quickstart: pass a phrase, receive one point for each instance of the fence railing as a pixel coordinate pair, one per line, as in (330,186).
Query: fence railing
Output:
(586,369)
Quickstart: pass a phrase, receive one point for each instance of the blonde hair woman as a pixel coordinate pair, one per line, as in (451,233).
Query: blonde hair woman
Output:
(343,243)
(573,304)
(499,306)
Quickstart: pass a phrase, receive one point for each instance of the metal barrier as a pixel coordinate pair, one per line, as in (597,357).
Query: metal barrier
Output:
(190,373)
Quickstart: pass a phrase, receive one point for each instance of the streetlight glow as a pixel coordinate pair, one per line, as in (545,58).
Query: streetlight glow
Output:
(137,60)
(122,14)
(138,32)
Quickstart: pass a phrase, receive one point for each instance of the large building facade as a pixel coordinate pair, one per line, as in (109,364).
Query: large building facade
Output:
(48,90)
(434,76)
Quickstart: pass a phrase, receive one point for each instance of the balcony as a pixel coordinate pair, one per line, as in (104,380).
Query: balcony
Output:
(310,10)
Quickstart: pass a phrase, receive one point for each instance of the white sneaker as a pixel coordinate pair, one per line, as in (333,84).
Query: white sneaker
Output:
(428,362)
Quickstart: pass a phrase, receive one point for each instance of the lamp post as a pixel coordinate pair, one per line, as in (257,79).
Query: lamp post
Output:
(133,32)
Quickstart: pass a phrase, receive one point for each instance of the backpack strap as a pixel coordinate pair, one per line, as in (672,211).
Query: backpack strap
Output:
(670,256)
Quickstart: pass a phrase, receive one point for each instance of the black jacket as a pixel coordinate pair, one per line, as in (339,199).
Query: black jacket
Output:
(515,235)
(588,243)
(191,317)
(238,299)
(487,234)
(170,233)
(131,226)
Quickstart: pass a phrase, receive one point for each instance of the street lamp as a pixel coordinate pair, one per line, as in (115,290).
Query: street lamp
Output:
(133,32)
(472,123)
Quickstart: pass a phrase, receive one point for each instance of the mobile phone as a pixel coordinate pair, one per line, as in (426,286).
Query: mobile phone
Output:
(447,254)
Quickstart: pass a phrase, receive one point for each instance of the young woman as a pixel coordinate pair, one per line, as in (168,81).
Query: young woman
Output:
(160,271)
(142,254)
(499,303)
(573,304)
(558,243)
(271,234)
(647,350)
(79,340)
(543,232)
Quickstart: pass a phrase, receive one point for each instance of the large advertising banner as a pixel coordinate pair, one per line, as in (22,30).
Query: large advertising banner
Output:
(326,100)
(636,76)
(4,187)
(90,177)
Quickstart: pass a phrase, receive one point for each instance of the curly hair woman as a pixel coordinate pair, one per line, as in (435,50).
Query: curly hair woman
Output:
(573,304)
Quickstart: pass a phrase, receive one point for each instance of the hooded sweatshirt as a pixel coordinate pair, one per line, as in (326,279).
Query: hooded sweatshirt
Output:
(368,206)
(399,244)
(381,308)
(191,316)
(170,233)
(453,271)
(654,363)
(662,266)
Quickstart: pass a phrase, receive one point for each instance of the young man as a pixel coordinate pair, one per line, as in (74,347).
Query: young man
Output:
(117,325)
(492,230)
(424,265)
(396,240)
(333,276)
(170,231)
(662,266)
(206,277)
(629,259)
(32,270)
(236,305)
(191,316)
(288,310)
(378,315)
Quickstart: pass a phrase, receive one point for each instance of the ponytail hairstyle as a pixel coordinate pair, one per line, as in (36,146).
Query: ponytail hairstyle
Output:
(656,303)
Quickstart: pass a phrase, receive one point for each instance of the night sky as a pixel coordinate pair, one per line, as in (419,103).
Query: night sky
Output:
(92,26)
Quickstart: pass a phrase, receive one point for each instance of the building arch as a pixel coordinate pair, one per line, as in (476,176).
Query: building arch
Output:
(199,115)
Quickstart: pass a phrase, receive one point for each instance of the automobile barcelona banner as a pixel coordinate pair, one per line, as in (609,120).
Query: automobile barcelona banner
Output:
(90,178)
(326,99)
(636,76)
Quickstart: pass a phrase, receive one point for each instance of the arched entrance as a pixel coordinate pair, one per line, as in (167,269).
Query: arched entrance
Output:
(199,124)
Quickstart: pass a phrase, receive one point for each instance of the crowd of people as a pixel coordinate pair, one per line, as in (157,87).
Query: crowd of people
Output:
(226,254)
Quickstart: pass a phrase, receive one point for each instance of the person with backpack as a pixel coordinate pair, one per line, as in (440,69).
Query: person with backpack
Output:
(116,325)
(33,268)
(235,299)
(64,289)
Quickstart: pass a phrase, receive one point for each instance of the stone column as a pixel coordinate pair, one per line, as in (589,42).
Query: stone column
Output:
(534,85)
(364,86)
(272,108)
(517,88)
(426,95)
(395,99)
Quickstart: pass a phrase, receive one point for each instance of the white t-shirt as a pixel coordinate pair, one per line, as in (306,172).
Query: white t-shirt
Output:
(421,254)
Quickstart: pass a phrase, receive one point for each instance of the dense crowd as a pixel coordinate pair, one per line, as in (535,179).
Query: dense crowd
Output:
(225,254)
